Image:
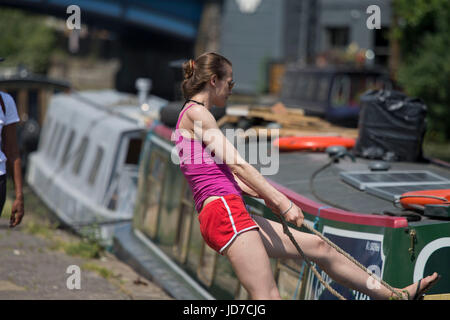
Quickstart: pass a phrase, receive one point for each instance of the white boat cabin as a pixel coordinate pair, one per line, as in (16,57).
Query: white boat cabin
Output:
(86,165)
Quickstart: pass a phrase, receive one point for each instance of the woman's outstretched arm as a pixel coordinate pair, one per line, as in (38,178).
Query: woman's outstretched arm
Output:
(245,188)
(206,129)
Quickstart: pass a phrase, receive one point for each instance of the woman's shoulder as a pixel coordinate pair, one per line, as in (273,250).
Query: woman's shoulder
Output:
(198,112)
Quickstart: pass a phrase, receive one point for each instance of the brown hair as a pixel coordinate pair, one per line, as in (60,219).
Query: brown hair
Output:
(199,71)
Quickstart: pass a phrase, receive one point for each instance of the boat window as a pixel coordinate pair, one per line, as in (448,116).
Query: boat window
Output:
(134,151)
(225,279)
(67,148)
(33,105)
(340,94)
(155,180)
(337,37)
(302,84)
(289,85)
(54,133)
(80,155)
(347,89)
(207,265)
(45,133)
(311,88)
(358,88)
(287,272)
(184,230)
(96,166)
(57,144)
(322,89)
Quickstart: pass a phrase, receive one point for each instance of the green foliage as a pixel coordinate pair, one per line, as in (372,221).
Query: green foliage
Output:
(424,35)
(102,271)
(25,39)
(84,248)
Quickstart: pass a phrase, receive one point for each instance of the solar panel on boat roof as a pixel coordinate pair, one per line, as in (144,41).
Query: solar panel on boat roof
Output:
(392,193)
(364,179)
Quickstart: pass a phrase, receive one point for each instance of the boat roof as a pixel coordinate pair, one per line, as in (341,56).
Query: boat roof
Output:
(102,118)
(102,102)
(81,109)
(296,169)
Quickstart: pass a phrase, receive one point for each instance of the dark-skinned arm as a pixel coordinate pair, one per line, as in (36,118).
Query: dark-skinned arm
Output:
(11,150)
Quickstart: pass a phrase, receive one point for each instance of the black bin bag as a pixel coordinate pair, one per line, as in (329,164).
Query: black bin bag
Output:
(391,126)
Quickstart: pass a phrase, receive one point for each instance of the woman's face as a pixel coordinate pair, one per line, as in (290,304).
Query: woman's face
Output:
(223,87)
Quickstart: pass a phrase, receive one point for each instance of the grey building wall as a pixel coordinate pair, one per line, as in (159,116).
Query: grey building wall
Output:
(251,40)
(288,30)
(351,13)
(292,23)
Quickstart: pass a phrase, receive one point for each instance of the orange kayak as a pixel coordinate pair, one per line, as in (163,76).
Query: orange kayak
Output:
(418,199)
(314,143)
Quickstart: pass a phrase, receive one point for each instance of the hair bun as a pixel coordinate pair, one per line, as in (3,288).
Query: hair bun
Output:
(189,69)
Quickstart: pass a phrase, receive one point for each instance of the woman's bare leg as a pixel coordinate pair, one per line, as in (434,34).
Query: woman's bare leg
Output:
(338,267)
(251,264)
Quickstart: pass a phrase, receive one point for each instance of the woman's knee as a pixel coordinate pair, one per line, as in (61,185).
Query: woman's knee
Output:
(322,250)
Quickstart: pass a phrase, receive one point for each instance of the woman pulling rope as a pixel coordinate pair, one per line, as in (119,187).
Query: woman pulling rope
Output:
(218,177)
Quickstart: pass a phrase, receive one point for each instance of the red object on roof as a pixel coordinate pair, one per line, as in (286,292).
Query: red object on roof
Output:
(418,199)
(314,143)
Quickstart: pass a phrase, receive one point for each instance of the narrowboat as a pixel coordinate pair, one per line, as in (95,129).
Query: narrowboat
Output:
(86,166)
(349,202)
(108,168)
(331,92)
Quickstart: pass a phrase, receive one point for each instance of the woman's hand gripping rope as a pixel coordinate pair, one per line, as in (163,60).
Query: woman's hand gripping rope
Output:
(292,214)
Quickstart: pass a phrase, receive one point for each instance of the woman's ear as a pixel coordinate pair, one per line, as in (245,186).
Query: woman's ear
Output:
(213,80)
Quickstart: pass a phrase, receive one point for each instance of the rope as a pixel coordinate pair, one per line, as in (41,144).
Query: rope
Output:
(311,266)
(316,226)
(334,246)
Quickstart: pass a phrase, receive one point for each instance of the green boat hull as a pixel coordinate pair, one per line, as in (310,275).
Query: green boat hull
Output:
(165,214)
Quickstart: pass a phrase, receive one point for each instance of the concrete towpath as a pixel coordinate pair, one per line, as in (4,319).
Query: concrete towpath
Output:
(35,257)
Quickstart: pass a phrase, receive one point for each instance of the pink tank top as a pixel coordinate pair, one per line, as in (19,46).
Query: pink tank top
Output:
(206,178)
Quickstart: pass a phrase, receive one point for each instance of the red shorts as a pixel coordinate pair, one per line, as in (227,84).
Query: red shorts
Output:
(221,220)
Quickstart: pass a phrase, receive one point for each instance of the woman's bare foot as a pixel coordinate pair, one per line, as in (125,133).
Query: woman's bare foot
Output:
(409,292)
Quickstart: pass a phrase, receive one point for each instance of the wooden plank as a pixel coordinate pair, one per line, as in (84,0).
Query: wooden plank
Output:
(293,121)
